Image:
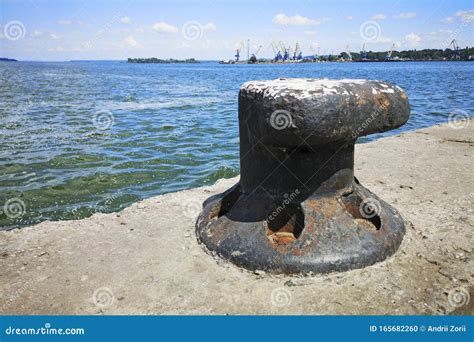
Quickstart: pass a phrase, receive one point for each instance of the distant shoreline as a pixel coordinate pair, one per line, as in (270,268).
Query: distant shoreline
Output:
(267,62)
(425,55)
(161,61)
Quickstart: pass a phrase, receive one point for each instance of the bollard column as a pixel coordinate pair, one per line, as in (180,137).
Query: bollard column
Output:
(298,207)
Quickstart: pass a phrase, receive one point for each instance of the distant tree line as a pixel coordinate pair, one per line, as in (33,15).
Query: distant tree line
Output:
(465,54)
(163,61)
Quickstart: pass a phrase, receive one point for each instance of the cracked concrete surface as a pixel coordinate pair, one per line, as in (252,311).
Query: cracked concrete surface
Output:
(146,260)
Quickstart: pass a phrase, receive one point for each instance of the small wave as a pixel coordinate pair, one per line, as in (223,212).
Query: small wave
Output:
(138,106)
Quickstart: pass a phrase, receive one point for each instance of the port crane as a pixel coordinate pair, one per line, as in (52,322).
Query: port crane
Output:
(297,54)
(286,52)
(276,52)
(253,57)
(363,53)
(348,51)
(315,54)
(258,51)
(330,55)
(455,48)
(237,51)
(389,54)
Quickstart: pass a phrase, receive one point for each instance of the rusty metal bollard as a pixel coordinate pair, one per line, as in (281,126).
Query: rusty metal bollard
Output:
(298,207)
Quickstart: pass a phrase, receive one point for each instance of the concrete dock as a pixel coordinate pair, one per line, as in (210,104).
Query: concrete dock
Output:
(146,259)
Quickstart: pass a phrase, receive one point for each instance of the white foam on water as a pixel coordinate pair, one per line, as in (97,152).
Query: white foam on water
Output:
(154,105)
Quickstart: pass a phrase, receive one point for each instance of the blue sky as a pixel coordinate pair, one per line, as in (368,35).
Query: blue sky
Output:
(212,29)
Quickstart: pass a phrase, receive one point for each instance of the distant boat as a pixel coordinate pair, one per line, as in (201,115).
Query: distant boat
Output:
(7,60)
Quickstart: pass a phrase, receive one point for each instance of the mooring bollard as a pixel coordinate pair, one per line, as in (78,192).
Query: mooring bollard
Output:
(297,207)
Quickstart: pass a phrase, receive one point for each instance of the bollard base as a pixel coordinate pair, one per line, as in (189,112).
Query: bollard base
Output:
(351,228)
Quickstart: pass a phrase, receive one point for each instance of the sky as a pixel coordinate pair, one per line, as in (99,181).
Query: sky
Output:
(54,30)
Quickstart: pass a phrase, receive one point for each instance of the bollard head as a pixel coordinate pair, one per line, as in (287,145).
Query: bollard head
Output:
(318,111)
(298,207)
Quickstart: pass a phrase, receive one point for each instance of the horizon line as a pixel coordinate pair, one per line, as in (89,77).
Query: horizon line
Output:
(212,60)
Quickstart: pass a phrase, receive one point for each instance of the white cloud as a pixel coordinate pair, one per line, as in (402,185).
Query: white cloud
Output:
(466,16)
(296,20)
(405,15)
(447,20)
(440,32)
(163,27)
(383,39)
(412,39)
(125,20)
(310,33)
(54,36)
(379,16)
(184,45)
(314,47)
(56,49)
(349,17)
(131,42)
(64,22)
(37,33)
(209,27)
